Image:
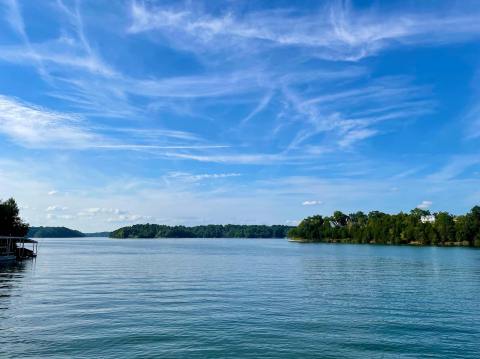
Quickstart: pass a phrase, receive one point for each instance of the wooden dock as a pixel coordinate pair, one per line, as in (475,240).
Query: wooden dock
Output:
(17,248)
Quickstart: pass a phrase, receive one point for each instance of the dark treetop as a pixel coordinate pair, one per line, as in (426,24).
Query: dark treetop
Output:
(419,227)
(207,231)
(10,222)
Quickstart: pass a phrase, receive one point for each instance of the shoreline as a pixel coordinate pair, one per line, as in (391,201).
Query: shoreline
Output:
(411,244)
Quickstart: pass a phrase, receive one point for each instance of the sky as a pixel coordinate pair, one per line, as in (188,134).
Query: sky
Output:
(121,112)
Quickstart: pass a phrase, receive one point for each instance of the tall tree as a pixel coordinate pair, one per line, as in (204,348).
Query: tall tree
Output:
(10,222)
(445,227)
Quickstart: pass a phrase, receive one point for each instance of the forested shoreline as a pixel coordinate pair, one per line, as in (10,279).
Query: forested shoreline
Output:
(205,231)
(419,227)
(61,232)
(54,232)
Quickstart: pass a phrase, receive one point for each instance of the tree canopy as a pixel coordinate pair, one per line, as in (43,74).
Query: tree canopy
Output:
(54,232)
(10,222)
(417,227)
(206,231)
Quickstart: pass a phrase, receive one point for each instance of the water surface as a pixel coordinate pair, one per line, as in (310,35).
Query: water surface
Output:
(233,298)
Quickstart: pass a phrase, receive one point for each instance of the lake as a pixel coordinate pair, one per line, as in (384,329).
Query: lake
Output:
(234,298)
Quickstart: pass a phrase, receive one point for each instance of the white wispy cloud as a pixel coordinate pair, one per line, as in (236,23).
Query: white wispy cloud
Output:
(35,126)
(128,218)
(156,134)
(53,53)
(215,176)
(297,81)
(93,58)
(260,107)
(112,215)
(56,208)
(189,177)
(106,92)
(38,127)
(67,60)
(153,147)
(336,31)
(472,120)
(455,166)
(311,203)
(425,204)
(351,115)
(15,19)
(95,211)
(232,158)
(53,216)
(356,135)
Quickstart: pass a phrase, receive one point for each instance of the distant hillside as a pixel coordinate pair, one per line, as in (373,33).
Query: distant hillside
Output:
(53,232)
(61,232)
(207,231)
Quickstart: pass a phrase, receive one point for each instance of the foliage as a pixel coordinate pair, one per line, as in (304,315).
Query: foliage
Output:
(206,231)
(401,228)
(54,232)
(10,222)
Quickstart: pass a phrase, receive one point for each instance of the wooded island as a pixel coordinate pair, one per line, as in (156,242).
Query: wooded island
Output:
(419,227)
(206,231)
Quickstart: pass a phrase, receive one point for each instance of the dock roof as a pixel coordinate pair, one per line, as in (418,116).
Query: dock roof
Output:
(19,239)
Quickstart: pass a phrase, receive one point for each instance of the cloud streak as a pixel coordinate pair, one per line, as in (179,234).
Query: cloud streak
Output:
(235,112)
(425,205)
(38,127)
(35,126)
(311,203)
(336,31)
(105,91)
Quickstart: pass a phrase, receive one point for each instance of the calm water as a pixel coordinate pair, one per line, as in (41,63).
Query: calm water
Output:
(226,298)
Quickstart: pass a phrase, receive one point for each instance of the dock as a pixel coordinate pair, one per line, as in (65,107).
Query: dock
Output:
(17,248)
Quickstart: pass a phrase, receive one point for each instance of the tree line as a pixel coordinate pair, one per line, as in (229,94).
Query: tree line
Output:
(11,224)
(54,232)
(205,231)
(418,227)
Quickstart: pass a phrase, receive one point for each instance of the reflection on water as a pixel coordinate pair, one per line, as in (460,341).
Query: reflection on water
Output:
(394,293)
(11,275)
(11,279)
(200,298)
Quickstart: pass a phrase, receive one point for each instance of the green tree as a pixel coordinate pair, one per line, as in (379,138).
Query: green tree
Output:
(461,229)
(358,218)
(310,228)
(419,213)
(10,222)
(445,227)
(340,219)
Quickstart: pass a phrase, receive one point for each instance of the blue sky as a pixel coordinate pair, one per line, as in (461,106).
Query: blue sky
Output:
(114,113)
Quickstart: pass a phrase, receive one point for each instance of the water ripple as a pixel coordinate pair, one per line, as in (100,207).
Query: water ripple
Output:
(201,298)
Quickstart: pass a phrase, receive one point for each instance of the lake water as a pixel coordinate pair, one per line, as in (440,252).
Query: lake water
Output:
(231,298)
